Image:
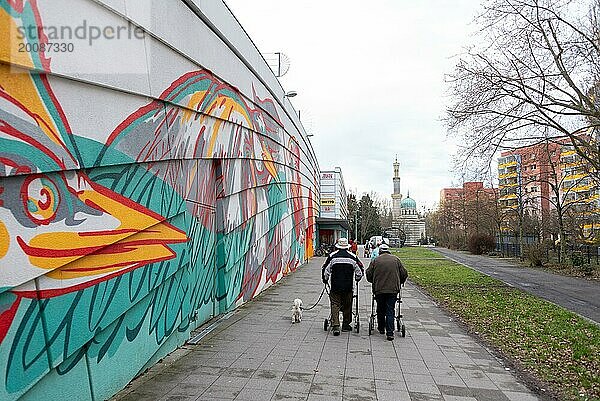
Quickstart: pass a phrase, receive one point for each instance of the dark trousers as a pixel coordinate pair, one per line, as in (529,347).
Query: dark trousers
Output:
(340,301)
(386,312)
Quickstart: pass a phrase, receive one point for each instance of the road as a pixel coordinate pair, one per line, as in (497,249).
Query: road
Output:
(576,294)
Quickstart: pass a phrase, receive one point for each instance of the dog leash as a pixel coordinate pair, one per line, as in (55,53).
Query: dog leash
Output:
(318,300)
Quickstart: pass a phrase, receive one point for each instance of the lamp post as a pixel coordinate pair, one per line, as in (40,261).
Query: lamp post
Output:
(356,225)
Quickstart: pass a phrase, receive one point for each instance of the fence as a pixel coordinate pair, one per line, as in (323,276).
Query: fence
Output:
(576,253)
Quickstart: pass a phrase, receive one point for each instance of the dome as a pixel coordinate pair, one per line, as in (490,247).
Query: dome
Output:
(408,203)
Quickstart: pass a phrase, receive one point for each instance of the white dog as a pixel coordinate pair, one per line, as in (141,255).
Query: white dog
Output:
(297,311)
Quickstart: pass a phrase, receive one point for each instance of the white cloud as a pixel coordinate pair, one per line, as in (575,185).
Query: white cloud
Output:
(369,78)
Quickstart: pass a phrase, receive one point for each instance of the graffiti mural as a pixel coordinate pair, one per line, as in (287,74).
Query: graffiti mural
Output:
(120,235)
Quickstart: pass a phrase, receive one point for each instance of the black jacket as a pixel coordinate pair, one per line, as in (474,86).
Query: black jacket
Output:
(343,267)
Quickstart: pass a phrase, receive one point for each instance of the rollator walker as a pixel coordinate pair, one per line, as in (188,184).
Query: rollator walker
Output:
(398,315)
(355,315)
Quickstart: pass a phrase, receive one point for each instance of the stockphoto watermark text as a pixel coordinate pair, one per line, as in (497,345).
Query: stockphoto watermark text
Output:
(62,37)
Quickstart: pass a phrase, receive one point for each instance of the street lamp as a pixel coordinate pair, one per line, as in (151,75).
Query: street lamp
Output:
(290,94)
(356,225)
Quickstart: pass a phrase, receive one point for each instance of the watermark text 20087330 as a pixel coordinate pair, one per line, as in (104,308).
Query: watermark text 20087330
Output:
(52,47)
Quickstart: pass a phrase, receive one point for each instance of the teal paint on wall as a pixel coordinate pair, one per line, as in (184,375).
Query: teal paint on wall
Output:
(132,214)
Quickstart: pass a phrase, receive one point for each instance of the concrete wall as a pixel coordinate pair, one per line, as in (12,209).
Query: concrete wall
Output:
(147,183)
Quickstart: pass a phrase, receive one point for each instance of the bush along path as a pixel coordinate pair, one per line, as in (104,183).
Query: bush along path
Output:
(555,346)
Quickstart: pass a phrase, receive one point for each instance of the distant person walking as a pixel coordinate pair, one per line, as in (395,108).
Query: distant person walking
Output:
(367,249)
(387,274)
(344,268)
(375,250)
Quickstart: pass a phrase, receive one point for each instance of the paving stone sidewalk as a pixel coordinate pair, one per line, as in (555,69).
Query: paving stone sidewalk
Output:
(257,354)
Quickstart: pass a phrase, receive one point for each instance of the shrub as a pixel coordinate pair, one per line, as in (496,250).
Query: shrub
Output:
(588,269)
(478,244)
(535,254)
(577,258)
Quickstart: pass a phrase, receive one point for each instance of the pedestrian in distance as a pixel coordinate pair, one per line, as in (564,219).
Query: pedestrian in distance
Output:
(354,247)
(375,250)
(343,267)
(387,275)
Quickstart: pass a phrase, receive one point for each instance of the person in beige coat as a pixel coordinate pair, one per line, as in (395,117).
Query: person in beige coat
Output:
(387,274)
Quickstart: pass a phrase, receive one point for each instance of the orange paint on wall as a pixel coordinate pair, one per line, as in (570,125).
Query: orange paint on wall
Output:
(4,240)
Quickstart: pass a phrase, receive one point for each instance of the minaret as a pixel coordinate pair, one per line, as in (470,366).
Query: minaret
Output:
(396,177)
(396,196)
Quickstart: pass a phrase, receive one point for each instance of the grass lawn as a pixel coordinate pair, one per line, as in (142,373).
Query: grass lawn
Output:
(555,345)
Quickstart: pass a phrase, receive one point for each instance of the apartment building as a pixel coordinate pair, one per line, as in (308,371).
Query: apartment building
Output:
(580,192)
(533,179)
(470,191)
(526,176)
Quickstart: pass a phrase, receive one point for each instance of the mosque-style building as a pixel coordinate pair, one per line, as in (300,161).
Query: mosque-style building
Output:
(404,212)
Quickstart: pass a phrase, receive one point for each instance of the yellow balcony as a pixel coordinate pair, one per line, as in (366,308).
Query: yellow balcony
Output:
(507,164)
(581,188)
(508,197)
(508,175)
(567,153)
(574,177)
(568,165)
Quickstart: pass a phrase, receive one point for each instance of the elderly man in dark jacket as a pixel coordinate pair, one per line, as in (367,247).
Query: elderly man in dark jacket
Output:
(344,268)
(387,274)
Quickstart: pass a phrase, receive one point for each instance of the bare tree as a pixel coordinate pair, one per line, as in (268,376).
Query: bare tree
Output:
(466,213)
(535,74)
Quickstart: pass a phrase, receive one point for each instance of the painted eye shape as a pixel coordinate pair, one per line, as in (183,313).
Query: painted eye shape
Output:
(41,199)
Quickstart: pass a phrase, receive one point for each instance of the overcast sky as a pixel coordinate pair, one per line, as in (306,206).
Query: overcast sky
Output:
(370,83)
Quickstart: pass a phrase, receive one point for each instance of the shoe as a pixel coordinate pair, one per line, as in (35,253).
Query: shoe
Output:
(336,331)
(346,327)
(390,338)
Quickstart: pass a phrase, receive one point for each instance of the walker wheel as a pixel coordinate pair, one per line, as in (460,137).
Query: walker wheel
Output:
(403,331)
(357,326)
(398,325)
(325,324)
(370,326)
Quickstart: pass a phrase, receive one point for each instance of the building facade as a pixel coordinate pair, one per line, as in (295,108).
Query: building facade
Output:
(580,193)
(527,176)
(334,199)
(534,179)
(333,219)
(469,191)
(411,222)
